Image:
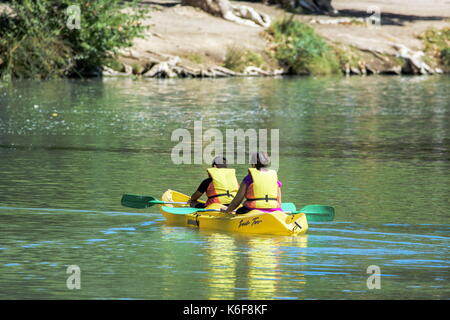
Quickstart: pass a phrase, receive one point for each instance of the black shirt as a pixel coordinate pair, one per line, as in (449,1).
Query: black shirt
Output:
(204,185)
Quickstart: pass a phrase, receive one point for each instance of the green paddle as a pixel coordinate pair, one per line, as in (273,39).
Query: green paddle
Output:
(313,212)
(317,213)
(142,202)
(288,207)
(186,210)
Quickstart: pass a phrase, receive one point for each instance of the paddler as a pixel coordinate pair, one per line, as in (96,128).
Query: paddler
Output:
(220,186)
(260,188)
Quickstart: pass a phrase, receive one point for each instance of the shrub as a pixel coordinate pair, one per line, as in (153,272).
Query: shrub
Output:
(445,57)
(437,44)
(237,59)
(301,49)
(35,40)
(196,58)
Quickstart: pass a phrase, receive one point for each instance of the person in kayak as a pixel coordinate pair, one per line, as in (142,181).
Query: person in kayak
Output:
(220,186)
(260,188)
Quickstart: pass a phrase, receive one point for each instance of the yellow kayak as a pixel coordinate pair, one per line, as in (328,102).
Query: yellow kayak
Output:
(255,221)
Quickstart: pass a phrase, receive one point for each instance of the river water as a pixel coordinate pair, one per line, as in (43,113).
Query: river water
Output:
(375,148)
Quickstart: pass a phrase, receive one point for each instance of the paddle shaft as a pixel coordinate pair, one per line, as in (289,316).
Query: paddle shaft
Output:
(166,202)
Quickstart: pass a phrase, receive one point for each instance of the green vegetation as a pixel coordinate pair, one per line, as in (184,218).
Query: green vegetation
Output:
(303,51)
(437,45)
(40,38)
(445,57)
(196,58)
(237,59)
(347,56)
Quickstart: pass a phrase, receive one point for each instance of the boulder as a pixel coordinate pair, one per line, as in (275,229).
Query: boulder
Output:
(414,58)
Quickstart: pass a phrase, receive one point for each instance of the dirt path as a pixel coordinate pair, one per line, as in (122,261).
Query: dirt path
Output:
(401,22)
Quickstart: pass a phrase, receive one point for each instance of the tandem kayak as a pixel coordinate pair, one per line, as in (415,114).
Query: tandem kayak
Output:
(255,221)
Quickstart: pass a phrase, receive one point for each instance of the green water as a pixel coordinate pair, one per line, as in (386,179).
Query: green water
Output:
(375,148)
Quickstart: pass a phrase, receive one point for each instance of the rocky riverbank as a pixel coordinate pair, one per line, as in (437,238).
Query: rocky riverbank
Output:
(183,41)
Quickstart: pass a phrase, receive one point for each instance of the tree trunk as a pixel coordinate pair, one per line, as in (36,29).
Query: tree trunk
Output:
(235,13)
(215,7)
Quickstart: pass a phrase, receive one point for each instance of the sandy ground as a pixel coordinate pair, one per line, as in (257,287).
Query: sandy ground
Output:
(183,31)
(401,22)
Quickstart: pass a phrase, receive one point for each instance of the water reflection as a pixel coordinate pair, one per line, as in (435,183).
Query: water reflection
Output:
(222,260)
(257,274)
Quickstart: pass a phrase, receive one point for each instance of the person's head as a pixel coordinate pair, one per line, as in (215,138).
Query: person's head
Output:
(219,162)
(260,160)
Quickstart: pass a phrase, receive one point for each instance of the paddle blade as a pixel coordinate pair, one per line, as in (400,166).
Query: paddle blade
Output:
(138,202)
(186,210)
(288,207)
(318,213)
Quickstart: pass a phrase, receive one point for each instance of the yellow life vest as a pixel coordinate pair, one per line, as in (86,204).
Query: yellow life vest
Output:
(224,185)
(263,193)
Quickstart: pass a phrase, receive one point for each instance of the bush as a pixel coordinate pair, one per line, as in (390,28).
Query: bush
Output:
(238,59)
(36,41)
(196,58)
(437,45)
(301,49)
(445,57)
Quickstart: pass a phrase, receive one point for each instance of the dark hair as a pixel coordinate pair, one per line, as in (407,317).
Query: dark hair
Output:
(220,162)
(260,159)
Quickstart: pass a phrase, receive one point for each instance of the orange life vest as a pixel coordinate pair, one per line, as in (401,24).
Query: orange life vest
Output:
(263,192)
(223,187)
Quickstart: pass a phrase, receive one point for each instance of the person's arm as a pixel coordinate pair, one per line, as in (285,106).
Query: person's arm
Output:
(240,195)
(192,202)
(197,194)
(200,191)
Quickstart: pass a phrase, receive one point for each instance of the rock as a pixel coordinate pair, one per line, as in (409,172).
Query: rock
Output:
(396,70)
(279,72)
(414,58)
(248,13)
(163,69)
(370,69)
(128,69)
(186,72)
(347,69)
(191,72)
(218,73)
(255,71)
(355,70)
(205,74)
(225,71)
(108,72)
(241,14)
(362,67)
